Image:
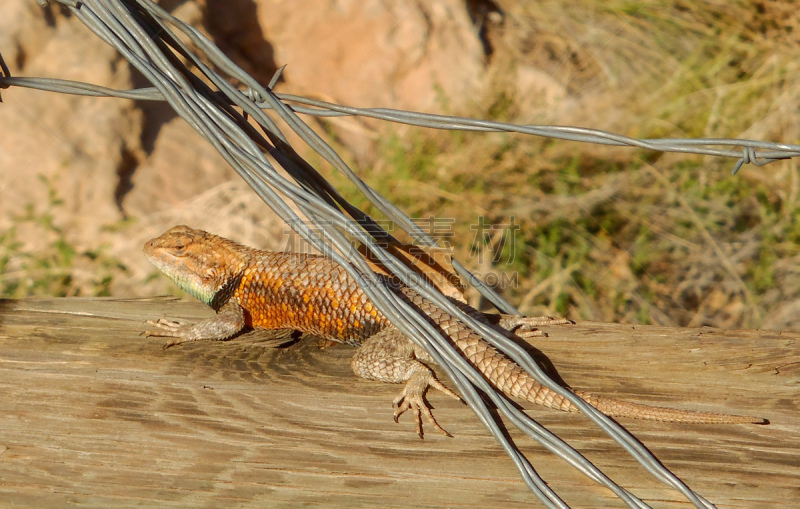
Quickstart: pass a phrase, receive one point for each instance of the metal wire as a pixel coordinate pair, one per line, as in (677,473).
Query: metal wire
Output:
(768,152)
(140,31)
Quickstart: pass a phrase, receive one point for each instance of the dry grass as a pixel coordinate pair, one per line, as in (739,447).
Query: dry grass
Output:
(616,234)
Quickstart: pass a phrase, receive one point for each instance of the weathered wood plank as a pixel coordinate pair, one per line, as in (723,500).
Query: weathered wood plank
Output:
(94,414)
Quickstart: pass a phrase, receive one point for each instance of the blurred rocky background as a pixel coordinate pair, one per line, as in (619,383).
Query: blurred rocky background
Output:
(603,233)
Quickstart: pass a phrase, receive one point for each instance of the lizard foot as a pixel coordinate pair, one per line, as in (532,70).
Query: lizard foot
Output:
(412,398)
(228,321)
(168,329)
(526,327)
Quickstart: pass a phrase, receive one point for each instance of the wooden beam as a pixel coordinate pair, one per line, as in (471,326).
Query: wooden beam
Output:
(92,413)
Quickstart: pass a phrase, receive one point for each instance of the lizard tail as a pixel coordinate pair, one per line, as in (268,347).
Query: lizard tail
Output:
(510,378)
(616,408)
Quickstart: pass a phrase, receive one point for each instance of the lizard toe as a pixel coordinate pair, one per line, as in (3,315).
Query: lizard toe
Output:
(416,403)
(174,341)
(413,398)
(436,384)
(529,332)
(165,328)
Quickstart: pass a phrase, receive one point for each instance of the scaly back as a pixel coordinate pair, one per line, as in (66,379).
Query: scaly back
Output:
(276,290)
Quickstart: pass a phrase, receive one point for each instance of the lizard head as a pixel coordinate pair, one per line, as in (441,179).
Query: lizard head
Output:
(199,262)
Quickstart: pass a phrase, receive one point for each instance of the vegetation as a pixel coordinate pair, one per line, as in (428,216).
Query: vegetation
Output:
(52,266)
(598,233)
(621,234)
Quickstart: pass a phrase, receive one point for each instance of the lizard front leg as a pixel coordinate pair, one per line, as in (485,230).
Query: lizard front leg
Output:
(389,356)
(228,321)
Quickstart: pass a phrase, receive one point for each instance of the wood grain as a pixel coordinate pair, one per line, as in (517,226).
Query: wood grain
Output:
(93,414)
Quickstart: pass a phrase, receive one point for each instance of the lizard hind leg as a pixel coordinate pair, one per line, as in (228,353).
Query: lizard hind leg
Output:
(526,327)
(389,356)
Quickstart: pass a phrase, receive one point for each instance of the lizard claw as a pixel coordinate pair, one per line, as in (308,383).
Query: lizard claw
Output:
(418,405)
(168,326)
(173,342)
(412,398)
(529,332)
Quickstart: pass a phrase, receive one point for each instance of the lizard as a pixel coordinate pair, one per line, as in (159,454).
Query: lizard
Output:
(253,288)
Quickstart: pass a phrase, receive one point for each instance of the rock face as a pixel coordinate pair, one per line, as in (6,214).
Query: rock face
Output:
(76,144)
(94,165)
(334,48)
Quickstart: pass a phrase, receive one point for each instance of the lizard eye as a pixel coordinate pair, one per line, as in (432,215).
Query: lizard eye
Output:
(179,248)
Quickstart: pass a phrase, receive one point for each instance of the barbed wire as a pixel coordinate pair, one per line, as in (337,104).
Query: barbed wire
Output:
(758,153)
(140,31)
